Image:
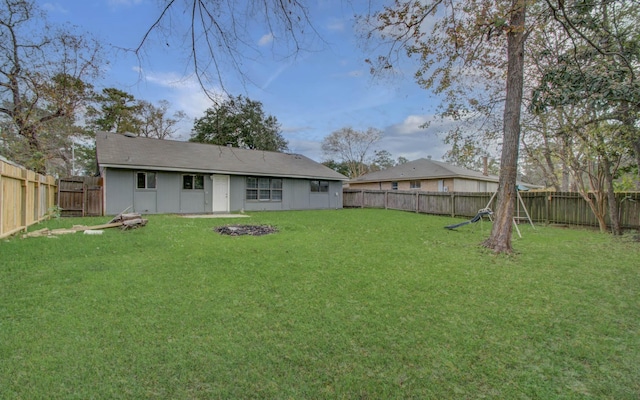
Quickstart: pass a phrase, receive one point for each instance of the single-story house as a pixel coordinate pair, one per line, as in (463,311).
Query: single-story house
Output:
(428,176)
(165,176)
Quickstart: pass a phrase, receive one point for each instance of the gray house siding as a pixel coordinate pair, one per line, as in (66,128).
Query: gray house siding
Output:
(296,195)
(118,188)
(167,202)
(168,196)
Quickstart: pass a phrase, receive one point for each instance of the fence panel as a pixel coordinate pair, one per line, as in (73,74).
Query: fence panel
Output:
(80,196)
(352,198)
(536,204)
(435,203)
(543,207)
(401,201)
(468,204)
(374,199)
(629,204)
(25,198)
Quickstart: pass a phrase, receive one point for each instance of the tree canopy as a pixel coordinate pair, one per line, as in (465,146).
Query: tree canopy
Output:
(45,75)
(351,147)
(239,122)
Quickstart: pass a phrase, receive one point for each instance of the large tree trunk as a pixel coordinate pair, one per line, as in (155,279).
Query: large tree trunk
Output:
(597,189)
(636,151)
(614,216)
(35,147)
(500,239)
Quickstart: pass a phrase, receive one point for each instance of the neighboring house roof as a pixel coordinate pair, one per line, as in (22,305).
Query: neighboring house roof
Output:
(132,152)
(423,168)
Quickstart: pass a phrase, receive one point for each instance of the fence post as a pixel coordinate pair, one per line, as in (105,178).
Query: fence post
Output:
(547,208)
(417,201)
(453,205)
(23,203)
(37,196)
(84,198)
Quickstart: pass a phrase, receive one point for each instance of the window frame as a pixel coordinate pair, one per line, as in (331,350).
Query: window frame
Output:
(194,181)
(318,186)
(263,189)
(415,184)
(146,175)
(394,185)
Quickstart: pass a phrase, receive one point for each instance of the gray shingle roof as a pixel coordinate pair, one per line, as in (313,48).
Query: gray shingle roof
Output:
(121,151)
(423,168)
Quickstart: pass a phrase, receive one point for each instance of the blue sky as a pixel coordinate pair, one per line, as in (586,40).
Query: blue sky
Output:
(311,95)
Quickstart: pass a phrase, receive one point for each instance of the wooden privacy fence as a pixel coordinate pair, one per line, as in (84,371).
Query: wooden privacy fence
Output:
(25,198)
(543,207)
(80,196)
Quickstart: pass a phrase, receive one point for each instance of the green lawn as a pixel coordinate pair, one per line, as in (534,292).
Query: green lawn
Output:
(354,304)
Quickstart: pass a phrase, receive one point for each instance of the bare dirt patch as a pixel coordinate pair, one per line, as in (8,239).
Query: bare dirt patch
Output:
(239,230)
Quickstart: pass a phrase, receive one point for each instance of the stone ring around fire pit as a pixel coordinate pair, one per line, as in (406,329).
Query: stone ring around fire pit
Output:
(238,230)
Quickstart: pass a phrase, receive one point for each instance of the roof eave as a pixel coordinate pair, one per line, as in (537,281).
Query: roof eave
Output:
(487,179)
(213,171)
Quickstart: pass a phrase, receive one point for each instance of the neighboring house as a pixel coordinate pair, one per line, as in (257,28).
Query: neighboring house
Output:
(427,176)
(165,176)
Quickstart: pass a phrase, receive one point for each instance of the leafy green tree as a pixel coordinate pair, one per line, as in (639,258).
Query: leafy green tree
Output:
(340,167)
(382,159)
(239,122)
(596,71)
(44,72)
(117,111)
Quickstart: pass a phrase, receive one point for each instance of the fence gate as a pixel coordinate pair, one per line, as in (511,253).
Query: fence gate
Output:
(80,196)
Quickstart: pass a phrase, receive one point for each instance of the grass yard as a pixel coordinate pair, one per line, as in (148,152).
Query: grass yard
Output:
(353,304)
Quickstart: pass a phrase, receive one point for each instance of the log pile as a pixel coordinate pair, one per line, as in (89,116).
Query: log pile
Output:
(122,220)
(129,221)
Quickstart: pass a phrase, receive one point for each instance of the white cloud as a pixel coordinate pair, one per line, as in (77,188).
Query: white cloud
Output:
(266,39)
(407,138)
(412,147)
(184,94)
(411,125)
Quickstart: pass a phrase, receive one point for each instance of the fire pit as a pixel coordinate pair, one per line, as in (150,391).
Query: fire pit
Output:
(238,230)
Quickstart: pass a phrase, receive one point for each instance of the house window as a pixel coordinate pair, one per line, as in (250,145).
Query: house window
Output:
(319,186)
(146,180)
(264,189)
(394,185)
(192,182)
(414,184)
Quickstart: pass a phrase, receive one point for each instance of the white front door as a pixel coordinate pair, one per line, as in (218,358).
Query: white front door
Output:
(220,200)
